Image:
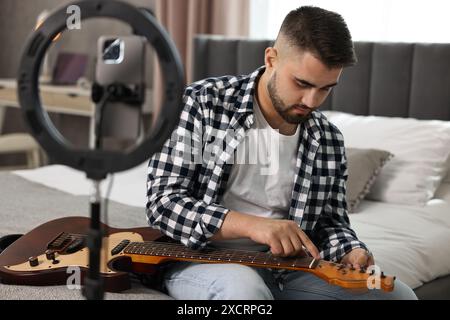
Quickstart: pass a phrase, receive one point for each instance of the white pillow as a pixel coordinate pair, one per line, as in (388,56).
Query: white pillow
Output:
(421,149)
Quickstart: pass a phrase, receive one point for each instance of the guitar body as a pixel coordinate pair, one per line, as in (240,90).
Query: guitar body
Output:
(15,268)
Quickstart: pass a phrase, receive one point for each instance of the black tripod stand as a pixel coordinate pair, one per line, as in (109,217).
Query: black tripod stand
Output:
(93,285)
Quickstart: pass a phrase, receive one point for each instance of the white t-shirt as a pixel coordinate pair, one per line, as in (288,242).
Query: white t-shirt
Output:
(262,176)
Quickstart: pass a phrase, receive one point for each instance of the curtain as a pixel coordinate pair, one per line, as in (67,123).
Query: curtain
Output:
(183,19)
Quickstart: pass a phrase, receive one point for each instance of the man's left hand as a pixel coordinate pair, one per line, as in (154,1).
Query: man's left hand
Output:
(358,258)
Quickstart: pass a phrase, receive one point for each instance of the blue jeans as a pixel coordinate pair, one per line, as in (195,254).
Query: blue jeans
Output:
(186,280)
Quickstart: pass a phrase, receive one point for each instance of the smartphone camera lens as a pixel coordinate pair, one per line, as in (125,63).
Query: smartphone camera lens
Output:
(113,51)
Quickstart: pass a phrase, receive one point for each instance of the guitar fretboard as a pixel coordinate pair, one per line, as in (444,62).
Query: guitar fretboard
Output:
(179,251)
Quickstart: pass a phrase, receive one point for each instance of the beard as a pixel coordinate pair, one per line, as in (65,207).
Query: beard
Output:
(285,112)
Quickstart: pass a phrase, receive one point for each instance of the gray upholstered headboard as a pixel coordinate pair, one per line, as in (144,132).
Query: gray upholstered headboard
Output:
(390,79)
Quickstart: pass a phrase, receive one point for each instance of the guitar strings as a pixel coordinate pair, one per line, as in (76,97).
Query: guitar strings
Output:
(168,249)
(213,254)
(171,249)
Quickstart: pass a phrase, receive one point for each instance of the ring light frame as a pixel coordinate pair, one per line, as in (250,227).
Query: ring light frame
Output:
(98,163)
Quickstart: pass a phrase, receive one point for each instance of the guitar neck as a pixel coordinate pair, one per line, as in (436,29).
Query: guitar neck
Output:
(174,251)
(334,273)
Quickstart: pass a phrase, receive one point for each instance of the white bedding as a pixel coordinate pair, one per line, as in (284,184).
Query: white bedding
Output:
(129,187)
(410,242)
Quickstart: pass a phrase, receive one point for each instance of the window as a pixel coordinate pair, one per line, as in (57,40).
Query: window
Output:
(375,20)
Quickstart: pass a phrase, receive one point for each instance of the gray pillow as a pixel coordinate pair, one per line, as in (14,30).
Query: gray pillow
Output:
(363,166)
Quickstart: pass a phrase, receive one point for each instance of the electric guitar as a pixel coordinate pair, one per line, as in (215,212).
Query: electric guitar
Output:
(43,256)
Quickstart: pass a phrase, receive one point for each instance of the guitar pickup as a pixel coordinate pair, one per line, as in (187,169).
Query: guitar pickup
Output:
(75,246)
(58,244)
(117,249)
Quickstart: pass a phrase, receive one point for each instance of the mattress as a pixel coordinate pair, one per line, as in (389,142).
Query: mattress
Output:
(129,187)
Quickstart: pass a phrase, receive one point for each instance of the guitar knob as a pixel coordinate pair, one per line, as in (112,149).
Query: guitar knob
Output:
(33,261)
(50,254)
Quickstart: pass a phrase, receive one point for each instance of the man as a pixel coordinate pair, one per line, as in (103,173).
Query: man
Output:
(295,203)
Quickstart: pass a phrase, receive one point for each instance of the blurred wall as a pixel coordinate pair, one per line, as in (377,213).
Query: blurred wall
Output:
(18,18)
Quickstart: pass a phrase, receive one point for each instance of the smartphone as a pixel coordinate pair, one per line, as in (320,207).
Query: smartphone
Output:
(121,60)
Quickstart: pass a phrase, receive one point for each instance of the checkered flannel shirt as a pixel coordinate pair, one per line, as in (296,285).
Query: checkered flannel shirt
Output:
(187,179)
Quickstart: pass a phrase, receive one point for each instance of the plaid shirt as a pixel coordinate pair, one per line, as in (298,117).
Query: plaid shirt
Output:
(187,179)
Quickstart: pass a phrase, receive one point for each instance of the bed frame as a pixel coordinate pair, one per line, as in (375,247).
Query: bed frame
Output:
(390,79)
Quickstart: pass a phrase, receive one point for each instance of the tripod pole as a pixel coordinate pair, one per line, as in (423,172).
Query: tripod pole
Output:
(93,284)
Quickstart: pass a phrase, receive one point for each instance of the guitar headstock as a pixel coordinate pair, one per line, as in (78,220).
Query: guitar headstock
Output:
(351,278)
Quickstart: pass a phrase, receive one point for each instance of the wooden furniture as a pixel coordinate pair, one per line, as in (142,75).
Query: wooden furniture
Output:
(61,99)
(21,143)
(76,101)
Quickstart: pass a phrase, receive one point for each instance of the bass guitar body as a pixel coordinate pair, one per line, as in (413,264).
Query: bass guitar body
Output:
(65,239)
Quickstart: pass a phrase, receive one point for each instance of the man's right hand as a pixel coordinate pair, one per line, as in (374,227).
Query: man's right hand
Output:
(284,237)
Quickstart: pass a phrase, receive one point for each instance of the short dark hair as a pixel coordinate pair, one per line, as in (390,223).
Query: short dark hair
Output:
(324,33)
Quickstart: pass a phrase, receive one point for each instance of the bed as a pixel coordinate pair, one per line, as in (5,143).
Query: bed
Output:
(391,79)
